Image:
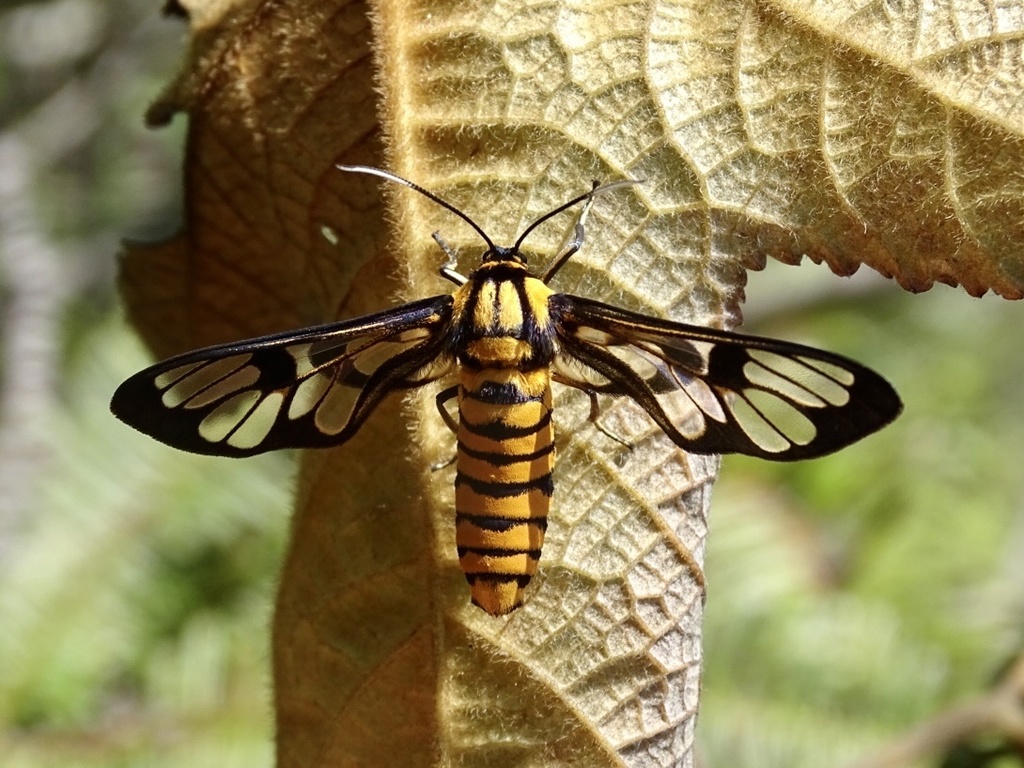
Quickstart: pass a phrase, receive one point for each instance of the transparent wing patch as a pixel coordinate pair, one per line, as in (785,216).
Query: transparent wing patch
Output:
(719,392)
(302,389)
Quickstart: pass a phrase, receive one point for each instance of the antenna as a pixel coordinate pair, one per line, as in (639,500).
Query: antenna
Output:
(597,190)
(426,193)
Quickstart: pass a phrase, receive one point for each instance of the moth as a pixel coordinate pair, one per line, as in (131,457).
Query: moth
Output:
(507,336)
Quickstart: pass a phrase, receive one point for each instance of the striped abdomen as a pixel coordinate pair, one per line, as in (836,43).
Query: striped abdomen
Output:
(503,481)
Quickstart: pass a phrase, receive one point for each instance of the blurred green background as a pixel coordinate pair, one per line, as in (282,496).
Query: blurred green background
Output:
(136,582)
(849,598)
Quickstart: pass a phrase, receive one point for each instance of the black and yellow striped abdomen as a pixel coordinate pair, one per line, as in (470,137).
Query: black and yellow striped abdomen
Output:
(503,484)
(506,449)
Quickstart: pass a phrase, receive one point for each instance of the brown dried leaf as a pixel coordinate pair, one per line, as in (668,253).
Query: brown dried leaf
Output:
(264,88)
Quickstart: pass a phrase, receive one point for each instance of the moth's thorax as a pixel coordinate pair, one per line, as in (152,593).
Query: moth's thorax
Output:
(502,318)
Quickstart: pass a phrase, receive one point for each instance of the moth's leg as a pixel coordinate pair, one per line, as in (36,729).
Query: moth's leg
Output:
(577,240)
(573,245)
(595,410)
(444,397)
(448,270)
(443,464)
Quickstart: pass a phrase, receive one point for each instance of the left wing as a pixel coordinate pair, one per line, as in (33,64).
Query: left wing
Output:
(300,389)
(719,392)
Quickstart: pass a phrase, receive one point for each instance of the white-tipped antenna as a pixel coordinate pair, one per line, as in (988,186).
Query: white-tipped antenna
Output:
(589,197)
(425,192)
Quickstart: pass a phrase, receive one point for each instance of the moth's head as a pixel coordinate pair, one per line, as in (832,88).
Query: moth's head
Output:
(503,253)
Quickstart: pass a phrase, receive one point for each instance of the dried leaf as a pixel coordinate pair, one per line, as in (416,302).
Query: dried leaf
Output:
(264,87)
(852,134)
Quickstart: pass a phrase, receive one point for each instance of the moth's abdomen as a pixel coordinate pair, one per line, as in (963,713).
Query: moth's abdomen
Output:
(503,481)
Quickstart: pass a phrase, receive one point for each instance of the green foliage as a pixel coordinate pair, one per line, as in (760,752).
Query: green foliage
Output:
(137,603)
(855,596)
(135,583)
